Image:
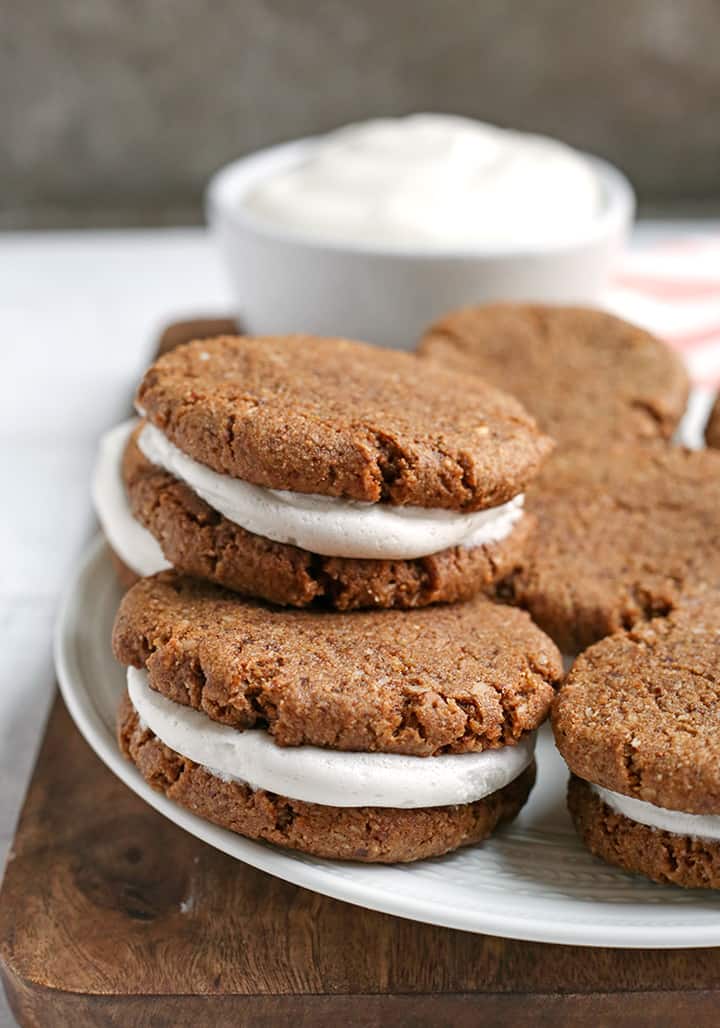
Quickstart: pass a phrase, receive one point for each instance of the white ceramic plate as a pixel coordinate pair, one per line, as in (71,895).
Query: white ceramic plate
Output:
(532,880)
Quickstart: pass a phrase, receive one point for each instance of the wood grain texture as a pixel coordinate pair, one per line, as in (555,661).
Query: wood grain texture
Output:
(109,914)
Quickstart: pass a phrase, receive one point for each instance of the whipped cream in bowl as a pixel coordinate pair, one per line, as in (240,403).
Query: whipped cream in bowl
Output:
(431,181)
(376,230)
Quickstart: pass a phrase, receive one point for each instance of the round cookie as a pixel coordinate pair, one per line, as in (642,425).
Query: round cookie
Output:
(665,857)
(450,679)
(343,419)
(639,710)
(199,541)
(621,537)
(712,431)
(588,377)
(637,723)
(366,834)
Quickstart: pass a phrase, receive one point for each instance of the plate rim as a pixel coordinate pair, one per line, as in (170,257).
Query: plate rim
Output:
(292,867)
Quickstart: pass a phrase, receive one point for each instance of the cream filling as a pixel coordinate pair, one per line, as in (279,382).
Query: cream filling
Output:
(699,826)
(130,540)
(329,777)
(328,525)
(431,181)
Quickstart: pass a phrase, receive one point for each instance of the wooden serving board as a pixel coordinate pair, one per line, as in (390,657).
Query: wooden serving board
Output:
(112,915)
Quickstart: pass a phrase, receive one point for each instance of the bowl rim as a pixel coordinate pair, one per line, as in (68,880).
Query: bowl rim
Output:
(228,183)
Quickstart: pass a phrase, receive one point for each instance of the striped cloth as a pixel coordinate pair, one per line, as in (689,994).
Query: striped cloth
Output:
(673,290)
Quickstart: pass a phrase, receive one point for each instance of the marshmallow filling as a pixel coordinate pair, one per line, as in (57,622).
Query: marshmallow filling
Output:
(131,541)
(698,826)
(328,525)
(313,774)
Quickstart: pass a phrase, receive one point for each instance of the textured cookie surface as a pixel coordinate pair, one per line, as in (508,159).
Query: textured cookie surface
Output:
(200,542)
(639,712)
(367,834)
(440,680)
(712,432)
(621,537)
(588,377)
(662,856)
(345,419)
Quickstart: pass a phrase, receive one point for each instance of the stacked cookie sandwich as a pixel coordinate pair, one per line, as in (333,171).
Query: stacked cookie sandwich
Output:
(637,722)
(319,471)
(279,473)
(374,736)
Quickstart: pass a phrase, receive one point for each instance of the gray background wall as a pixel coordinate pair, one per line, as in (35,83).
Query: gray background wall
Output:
(115,111)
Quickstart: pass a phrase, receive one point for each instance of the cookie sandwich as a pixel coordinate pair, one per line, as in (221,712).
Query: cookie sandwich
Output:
(638,723)
(319,471)
(375,736)
(622,536)
(588,377)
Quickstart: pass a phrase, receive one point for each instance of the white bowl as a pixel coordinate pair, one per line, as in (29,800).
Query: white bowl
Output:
(286,283)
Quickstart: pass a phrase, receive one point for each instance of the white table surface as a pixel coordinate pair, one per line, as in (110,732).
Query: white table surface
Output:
(80,314)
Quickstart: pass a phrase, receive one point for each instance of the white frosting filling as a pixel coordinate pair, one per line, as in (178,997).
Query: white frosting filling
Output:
(432,181)
(698,826)
(130,540)
(329,525)
(330,777)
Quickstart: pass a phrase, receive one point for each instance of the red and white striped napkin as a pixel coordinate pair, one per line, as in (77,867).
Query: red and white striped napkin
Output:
(673,289)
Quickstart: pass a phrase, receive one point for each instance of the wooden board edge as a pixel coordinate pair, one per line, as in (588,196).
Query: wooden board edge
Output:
(37,1005)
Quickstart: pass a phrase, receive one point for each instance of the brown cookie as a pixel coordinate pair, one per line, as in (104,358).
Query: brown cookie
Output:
(453,679)
(343,419)
(712,432)
(621,537)
(367,834)
(588,377)
(199,541)
(638,712)
(665,857)
(179,332)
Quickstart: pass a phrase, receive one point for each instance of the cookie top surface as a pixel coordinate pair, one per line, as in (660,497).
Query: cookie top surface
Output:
(451,679)
(588,377)
(621,537)
(712,432)
(345,419)
(639,712)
